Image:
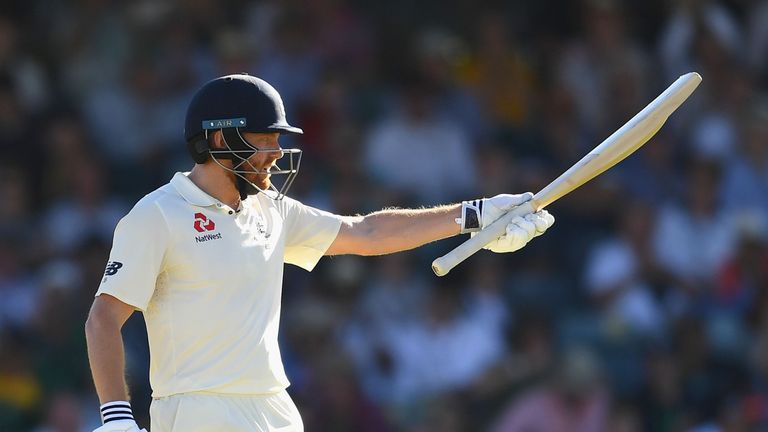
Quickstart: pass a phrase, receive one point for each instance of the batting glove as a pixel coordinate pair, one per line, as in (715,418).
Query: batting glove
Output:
(478,214)
(118,417)
(120,426)
(520,231)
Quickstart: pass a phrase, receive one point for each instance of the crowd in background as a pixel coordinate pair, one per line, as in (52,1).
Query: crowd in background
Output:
(645,307)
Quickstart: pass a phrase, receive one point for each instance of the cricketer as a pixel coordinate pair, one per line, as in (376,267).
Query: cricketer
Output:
(202,258)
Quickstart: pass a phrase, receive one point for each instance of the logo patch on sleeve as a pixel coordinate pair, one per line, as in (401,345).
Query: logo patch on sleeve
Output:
(112,268)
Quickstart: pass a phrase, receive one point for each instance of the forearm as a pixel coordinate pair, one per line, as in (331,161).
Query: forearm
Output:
(107,358)
(394,230)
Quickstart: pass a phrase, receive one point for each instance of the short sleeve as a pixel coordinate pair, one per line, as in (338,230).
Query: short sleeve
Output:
(309,233)
(138,249)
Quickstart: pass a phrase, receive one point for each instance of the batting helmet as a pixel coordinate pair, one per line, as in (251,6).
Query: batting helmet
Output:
(234,104)
(237,101)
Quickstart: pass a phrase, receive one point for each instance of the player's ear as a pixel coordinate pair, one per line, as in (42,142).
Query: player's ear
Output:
(216,140)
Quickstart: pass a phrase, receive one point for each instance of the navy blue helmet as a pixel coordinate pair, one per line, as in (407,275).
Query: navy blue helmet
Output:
(234,104)
(242,101)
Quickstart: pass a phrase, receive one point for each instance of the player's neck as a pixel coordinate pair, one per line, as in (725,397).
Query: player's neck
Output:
(215,182)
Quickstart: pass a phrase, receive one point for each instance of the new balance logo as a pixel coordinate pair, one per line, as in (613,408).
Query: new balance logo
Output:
(112,268)
(205,238)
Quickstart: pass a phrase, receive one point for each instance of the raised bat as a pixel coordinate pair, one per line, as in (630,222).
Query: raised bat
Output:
(636,132)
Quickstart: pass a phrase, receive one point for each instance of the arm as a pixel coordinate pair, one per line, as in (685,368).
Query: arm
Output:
(105,347)
(395,230)
(136,258)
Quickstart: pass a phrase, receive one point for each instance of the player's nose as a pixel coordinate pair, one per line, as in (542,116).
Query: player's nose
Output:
(276,154)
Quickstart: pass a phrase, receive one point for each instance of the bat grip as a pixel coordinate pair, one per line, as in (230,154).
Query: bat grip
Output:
(442,265)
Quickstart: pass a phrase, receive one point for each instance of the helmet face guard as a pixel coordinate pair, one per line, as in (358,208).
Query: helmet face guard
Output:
(239,151)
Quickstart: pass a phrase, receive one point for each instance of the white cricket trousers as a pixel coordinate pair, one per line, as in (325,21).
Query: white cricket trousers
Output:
(205,412)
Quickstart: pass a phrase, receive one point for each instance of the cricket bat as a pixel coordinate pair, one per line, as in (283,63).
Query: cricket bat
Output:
(636,132)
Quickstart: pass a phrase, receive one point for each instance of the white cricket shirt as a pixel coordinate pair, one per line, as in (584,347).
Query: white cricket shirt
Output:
(208,279)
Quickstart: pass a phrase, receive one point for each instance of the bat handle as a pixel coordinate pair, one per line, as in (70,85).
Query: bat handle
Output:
(442,265)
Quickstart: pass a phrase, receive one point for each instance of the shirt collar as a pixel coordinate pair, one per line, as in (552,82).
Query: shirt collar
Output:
(190,192)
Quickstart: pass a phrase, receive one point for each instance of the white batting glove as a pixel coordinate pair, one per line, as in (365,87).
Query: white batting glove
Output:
(478,214)
(520,231)
(120,426)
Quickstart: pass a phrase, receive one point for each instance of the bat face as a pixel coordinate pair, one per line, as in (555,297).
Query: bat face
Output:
(636,132)
(622,143)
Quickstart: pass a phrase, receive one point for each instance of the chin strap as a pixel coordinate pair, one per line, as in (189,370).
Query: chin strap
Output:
(245,188)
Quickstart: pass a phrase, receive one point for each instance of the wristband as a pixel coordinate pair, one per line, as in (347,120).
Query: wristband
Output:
(116,410)
(471,216)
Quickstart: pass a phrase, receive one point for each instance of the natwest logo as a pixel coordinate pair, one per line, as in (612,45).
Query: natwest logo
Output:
(203,224)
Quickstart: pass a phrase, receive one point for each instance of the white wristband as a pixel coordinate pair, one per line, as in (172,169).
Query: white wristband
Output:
(116,410)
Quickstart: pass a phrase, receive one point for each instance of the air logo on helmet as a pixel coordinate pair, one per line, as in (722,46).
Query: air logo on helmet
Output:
(224,123)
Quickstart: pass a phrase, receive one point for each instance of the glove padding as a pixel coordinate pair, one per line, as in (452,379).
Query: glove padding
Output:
(520,231)
(120,426)
(478,214)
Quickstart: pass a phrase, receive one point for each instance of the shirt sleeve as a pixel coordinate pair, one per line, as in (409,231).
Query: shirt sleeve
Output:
(309,233)
(137,256)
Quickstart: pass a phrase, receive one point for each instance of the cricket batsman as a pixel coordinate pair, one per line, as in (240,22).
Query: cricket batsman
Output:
(202,258)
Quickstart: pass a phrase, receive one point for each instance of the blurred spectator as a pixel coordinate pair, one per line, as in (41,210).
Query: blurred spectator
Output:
(485,298)
(618,275)
(291,63)
(757,16)
(705,383)
(394,298)
(604,68)
(59,366)
(259,25)
(715,131)
(443,413)
(26,74)
(18,286)
(87,211)
(500,75)
(573,401)
(63,414)
(20,391)
(662,395)
(65,144)
(625,418)
(14,122)
(16,196)
(136,118)
(91,44)
(697,31)
(343,407)
(342,36)
(232,54)
(530,357)
(652,175)
(744,277)
(692,241)
(430,354)
(420,153)
(714,136)
(755,404)
(745,177)
(438,55)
